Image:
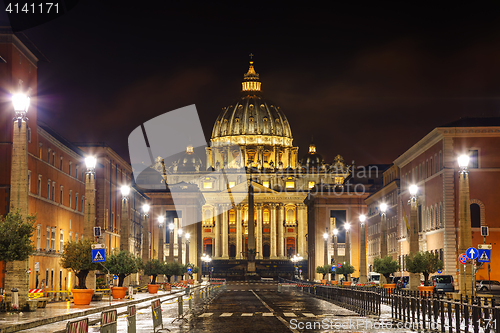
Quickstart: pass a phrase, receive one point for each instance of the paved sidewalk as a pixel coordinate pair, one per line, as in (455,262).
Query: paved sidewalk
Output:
(63,311)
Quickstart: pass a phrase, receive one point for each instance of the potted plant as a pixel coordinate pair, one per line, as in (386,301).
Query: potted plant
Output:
(172,269)
(153,268)
(16,245)
(324,270)
(122,264)
(424,263)
(77,256)
(345,269)
(386,267)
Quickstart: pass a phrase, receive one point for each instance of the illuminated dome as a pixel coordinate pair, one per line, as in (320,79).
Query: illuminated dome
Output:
(252,119)
(188,162)
(312,159)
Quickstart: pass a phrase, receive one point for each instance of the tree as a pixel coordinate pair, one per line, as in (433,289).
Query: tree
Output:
(345,269)
(324,270)
(172,269)
(385,266)
(77,256)
(153,268)
(425,263)
(15,236)
(122,264)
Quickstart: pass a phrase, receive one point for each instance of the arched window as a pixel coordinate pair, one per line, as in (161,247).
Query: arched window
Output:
(290,216)
(207,216)
(432,219)
(436,213)
(265,216)
(475,215)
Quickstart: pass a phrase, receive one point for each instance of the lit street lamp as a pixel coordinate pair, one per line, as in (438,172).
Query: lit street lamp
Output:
(206,259)
(413,235)
(465,231)
(362,260)
(296,259)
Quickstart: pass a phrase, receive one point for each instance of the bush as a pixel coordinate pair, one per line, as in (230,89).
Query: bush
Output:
(15,237)
(345,269)
(77,256)
(122,264)
(172,269)
(324,270)
(385,266)
(424,263)
(153,268)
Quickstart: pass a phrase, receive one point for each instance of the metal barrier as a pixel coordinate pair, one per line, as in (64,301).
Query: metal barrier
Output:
(131,319)
(108,321)
(157,316)
(78,326)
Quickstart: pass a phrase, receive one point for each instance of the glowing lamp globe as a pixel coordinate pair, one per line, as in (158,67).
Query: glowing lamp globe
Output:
(125,190)
(145,208)
(383,207)
(463,161)
(413,190)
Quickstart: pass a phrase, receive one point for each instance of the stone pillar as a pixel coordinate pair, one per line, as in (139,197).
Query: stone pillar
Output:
(259,231)
(124,226)
(144,279)
(272,239)
(225,232)
(280,217)
(302,230)
(208,151)
(362,260)
(465,232)
(218,218)
(383,236)
(160,242)
(239,232)
(16,271)
(89,221)
(413,237)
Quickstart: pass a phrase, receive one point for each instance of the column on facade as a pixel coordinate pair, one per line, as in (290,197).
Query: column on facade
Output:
(239,231)
(273,232)
(124,226)
(302,230)
(208,152)
(225,232)
(243,157)
(259,249)
(218,217)
(286,164)
(280,216)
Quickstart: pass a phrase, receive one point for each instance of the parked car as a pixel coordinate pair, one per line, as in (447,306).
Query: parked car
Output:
(489,285)
(373,277)
(443,283)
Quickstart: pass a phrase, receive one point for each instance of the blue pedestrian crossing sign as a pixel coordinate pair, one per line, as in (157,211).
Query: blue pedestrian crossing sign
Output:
(472,253)
(484,255)
(190,270)
(98,255)
(440,271)
(334,268)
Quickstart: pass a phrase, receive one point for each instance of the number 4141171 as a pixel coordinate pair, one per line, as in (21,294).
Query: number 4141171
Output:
(32,8)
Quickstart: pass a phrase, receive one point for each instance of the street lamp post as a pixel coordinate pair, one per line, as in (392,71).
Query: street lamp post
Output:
(296,261)
(465,230)
(145,241)
(362,259)
(179,245)
(161,220)
(125,220)
(16,276)
(89,222)
(171,227)
(413,235)
(206,260)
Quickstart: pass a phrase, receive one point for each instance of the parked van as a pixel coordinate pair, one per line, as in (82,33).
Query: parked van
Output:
(374,277)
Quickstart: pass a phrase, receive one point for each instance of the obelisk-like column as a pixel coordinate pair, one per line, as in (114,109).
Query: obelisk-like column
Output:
(259,231)
(273,232)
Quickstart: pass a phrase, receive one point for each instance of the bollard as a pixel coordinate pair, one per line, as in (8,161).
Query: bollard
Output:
(131,292)
(279,287)
(188,290)
(180,307)
(15,299)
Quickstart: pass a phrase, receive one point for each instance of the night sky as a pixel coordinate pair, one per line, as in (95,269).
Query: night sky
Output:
(367,81)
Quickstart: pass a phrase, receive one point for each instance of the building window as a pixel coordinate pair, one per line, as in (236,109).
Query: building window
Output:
(83,198)
(48,156)
(69,168)
(47,247)
(76,172)
(339,180)
(440,161)
(475,216)
(39,184)
(40,150)
(29,135)
(265,183)
(76,237)
(53,191)
(232,184)
(431,168)
(426,168)
(53,239)
(290,184)
(38,237)
(29,181)
(48,190)
(61,196)
(265,216)
(207,185)
(54,159)
(473,158)
(311,184)
(60,164)
(70,239)
(69,199)
(76,201)
(61,241)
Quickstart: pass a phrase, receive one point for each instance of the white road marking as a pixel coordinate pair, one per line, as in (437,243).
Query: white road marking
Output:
(289,314)
(286,323)
(247,314)
(206,314)
(226,314)
(308,315)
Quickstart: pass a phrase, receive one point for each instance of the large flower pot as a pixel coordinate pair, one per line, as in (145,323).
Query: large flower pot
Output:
(168,287)
(389,287)
(191,281)
(323,281)
(334,283)
(423,290)
(82,296)
(119,292)
(346,283)
(153,288)
(184,282)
